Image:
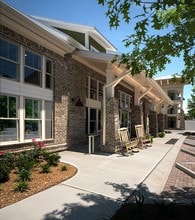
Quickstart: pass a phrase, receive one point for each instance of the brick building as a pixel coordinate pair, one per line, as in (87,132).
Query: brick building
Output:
(58,84)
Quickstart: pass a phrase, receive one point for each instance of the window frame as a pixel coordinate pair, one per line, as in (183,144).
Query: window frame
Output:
(48,74)
(40,71)
(16,119)
(12,61)
(98,94)
(28,134)
(125,101)
(49,120)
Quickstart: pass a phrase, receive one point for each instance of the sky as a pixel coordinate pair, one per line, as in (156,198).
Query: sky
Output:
(88,12)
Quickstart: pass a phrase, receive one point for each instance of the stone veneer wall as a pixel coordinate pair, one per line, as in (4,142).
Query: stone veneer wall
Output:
(135,119)
(166,121)
(61,99)
(70,120)
(160,122)
(77,136)
(153,124)
(112,126)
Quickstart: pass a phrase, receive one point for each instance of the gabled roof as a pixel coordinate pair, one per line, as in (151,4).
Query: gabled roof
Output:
(91,31)
(35,30)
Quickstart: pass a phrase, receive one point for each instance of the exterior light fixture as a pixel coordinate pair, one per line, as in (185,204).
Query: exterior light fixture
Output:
(77,101)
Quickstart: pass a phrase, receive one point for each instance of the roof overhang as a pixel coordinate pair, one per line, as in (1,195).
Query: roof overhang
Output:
(99,62)
(34,30)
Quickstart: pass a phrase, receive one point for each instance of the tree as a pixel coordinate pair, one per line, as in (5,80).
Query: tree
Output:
(163,29)
(191,105)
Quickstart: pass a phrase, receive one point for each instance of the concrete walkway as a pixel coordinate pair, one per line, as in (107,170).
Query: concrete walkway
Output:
(102,182)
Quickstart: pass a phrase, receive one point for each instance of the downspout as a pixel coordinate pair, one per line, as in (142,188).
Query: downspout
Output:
(113,83)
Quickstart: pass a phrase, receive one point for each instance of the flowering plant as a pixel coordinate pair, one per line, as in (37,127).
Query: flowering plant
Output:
(38,144)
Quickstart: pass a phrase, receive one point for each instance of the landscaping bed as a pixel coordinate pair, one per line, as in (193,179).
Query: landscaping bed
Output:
(24,180)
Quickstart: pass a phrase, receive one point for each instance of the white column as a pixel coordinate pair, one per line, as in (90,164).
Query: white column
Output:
(109,78)
(21,113)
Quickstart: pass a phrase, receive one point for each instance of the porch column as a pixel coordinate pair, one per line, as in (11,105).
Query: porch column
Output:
(109,79)
(161,124)
(153,124)
(135,118)
(112,126)
(165,121)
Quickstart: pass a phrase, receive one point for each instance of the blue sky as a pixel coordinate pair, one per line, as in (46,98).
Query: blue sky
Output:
(88,12)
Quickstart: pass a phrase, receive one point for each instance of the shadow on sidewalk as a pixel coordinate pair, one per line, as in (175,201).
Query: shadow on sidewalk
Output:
(133,204)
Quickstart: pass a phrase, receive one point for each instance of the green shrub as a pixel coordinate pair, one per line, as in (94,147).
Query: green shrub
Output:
(64,167)
(46,168)
(6,165)
(4,172)
(161,134)
(24,174)
(25,161)
(52,159)
(21,186)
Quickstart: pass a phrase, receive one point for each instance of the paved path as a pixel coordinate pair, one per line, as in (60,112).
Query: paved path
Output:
(102,181)
(180,185)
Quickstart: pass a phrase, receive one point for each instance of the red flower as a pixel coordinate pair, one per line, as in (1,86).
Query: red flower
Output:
(33,140)
(1,153)
(41,144)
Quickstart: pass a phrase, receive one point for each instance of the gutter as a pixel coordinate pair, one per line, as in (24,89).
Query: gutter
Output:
(113,83)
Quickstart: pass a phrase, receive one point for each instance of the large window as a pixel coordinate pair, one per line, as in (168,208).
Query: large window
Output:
(32,119)
(94,89)
(32,69)
(48,119)
(8,118)
(9,63)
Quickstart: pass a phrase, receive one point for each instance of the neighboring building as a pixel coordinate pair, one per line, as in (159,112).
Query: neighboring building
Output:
(175,113)
(58,84)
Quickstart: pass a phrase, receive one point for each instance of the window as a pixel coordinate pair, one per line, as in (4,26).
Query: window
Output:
(48,74)
(48,119)
(93,120)
(8,118)
(125,101)
(32,69)
(9,63)
(94,89)
(32,118)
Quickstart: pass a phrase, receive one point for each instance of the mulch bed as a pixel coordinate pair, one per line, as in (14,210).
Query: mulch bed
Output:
(39,182)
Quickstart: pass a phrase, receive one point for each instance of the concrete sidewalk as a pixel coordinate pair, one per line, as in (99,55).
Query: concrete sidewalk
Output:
(102,182)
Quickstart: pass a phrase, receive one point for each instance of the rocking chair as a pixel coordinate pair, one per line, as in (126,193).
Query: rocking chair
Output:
(128,146)
(143,139)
